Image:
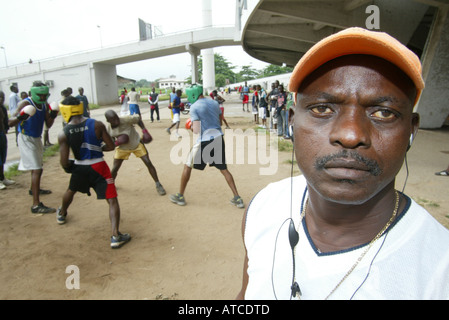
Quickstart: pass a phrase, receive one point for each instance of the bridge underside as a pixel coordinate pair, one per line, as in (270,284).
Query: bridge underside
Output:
(281,31)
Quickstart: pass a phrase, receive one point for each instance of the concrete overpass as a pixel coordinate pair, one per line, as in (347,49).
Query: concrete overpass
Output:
(96,70)
(281,31)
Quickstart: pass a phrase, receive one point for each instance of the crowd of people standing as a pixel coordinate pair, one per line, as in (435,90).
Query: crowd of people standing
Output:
(272,105)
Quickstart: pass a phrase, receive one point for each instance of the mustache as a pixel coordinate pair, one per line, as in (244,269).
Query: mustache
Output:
(371,165)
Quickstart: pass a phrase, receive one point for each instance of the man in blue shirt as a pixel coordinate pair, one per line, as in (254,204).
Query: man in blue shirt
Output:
(206,119)
(82,98)
(30,139)
(14,100)
(176,110)
(245,95)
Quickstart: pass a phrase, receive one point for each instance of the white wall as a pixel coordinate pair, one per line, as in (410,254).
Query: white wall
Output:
(104,77)
(73,77)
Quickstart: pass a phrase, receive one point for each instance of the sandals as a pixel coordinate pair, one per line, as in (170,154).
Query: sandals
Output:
(442,173)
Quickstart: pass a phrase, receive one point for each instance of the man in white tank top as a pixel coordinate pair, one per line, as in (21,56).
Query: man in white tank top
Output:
(341,230)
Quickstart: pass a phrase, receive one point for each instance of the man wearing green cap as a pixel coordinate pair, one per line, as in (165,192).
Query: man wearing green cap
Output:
(31,114)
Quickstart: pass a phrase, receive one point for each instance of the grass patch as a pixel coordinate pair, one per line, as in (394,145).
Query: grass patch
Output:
(51,151)
(13,170)
(285,145)
(259,129)
(427,203)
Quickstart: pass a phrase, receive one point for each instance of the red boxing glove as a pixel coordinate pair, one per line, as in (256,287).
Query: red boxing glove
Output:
(146,136)
(188,124)
(121,139)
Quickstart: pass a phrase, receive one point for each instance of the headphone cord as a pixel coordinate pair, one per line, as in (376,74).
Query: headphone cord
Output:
(386,234)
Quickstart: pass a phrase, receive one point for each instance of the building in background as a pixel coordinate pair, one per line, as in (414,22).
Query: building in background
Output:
(172,83)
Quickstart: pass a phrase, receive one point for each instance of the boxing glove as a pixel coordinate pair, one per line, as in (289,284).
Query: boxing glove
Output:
(26,112)
(121,139)
(54,109)
(188,124)
(146,136)
(70,167)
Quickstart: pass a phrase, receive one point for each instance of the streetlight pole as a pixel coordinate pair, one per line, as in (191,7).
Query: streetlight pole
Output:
(101,40)
(4,52)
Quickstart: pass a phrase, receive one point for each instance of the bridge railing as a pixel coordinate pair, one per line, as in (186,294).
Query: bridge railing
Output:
(114,45)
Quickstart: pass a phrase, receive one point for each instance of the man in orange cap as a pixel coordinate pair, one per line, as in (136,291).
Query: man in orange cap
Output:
(341,229)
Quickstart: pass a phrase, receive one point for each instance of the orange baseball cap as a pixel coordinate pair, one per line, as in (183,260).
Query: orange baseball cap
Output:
(358,41)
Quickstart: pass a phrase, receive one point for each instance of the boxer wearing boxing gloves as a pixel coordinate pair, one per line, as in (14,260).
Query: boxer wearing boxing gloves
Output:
(124,125)
(31,114)
(87,138)
(121,139)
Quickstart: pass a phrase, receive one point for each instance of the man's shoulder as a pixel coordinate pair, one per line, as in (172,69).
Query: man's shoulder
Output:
(419,226)
(282,189)
(129,120)
(204,103)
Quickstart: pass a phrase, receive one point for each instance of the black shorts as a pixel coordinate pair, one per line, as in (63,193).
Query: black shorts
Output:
(208,152)
(96,176)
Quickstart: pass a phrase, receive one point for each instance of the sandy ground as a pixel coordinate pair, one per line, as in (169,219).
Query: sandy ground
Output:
(191,252)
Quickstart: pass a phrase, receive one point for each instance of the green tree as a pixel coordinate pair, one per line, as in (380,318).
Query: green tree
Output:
(223,70)
(273,70)
(142,83)
(248,73)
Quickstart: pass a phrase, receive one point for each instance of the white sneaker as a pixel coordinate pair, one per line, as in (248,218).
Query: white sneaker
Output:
(7,182)
(2,186)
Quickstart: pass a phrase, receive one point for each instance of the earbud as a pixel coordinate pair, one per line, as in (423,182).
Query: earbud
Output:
(410,142)
(290,131)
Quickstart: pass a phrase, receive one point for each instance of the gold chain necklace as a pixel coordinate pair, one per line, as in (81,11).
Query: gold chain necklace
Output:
(381,232)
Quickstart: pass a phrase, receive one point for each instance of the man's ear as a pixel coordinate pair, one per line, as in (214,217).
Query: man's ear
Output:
(414,129)
(415,123)
(291,114)
(291,121)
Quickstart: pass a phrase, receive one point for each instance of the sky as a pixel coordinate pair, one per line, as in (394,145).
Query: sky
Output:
(43,29)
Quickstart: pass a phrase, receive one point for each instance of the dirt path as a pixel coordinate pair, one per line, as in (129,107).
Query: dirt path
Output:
(191,252)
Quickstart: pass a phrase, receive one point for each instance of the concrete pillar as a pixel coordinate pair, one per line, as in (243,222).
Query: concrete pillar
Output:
(194,53)
(104,83)
(208,54)
(433,106)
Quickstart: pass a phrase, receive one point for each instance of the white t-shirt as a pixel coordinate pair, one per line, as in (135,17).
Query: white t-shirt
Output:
(133,97)
(411,261)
